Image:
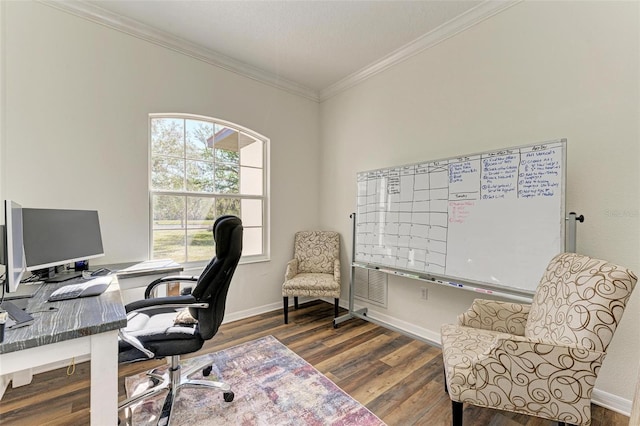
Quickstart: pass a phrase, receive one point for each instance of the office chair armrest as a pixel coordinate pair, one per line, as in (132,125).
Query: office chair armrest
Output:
(166,302)
(168,279)
(197,305)
(292,269)
(133,341)
(336,270)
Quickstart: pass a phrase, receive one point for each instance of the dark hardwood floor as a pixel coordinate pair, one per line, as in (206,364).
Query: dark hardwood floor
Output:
(396,377)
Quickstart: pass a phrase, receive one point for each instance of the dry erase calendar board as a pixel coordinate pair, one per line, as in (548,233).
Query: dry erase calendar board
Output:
(494,218)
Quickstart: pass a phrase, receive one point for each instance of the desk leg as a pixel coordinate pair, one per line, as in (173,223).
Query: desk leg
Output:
(104,378)
(4,383)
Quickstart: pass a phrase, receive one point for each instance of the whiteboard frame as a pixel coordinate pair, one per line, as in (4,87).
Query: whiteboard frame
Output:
(480,287)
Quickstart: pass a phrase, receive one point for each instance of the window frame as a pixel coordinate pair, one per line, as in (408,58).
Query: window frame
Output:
(266,185)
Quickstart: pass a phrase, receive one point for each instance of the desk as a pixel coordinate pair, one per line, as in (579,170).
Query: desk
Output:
(85,326)
(135,277)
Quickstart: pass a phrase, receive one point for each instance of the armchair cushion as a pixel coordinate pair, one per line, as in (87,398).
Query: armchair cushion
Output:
(312,284)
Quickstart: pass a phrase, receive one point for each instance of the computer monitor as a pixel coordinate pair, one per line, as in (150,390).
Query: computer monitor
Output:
(13,256)
(54,237)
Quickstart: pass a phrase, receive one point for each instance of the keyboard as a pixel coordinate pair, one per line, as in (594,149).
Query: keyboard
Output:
(92,287)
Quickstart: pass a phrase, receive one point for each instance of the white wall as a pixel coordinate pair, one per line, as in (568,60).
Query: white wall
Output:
(535,72)
(77,97)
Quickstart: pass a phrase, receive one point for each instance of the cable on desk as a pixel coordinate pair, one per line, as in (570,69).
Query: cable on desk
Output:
(71,368)
(51,309)
(31,278)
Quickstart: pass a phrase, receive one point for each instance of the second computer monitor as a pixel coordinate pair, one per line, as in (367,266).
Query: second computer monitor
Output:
(13,255)
(54,237)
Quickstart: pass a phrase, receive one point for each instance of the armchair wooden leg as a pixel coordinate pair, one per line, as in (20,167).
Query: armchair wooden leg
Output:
(456,413)
(445,380)
(336,308)
(285,299)
(295,302)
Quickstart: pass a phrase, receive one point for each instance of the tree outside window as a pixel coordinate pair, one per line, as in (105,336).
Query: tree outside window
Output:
(202,169)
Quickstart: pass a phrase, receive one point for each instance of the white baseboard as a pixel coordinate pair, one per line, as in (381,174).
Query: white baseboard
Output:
(428,335)
(612,402)
(235,316)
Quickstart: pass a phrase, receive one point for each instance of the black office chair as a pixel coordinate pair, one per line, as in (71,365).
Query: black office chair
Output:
(156,327)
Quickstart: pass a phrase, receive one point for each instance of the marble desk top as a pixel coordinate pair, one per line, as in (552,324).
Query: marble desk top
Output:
(66,319)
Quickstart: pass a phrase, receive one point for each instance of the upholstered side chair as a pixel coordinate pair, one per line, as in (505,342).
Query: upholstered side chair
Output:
(540,359)
(314,270)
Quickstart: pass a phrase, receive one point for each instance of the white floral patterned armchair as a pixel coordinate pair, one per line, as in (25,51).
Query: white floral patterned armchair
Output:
(314,269)
(540,359)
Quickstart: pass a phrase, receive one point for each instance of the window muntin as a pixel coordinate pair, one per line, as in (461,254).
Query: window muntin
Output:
(201,169)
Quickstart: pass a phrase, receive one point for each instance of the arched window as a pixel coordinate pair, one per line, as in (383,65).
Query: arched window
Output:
(202,168)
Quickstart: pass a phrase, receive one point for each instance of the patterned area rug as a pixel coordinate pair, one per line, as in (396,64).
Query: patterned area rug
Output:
(272,386)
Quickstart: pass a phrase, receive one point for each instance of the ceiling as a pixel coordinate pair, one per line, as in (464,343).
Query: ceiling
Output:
(314,48)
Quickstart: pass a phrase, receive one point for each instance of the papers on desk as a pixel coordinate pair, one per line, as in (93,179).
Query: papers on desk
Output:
(151,266)
(143,273)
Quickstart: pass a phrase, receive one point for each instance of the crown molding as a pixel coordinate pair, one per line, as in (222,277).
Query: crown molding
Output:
(136,29)
(449,29)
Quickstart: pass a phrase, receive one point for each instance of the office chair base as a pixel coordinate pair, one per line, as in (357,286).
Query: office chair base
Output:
(172,381)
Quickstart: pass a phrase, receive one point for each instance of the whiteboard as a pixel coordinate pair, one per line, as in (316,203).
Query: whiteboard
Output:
(493,218)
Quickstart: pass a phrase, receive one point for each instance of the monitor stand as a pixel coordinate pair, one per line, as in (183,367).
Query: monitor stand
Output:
(63,276)
(24,291)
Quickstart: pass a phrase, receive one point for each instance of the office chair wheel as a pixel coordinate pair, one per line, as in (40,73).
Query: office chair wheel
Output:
(207,370)
(228,396)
